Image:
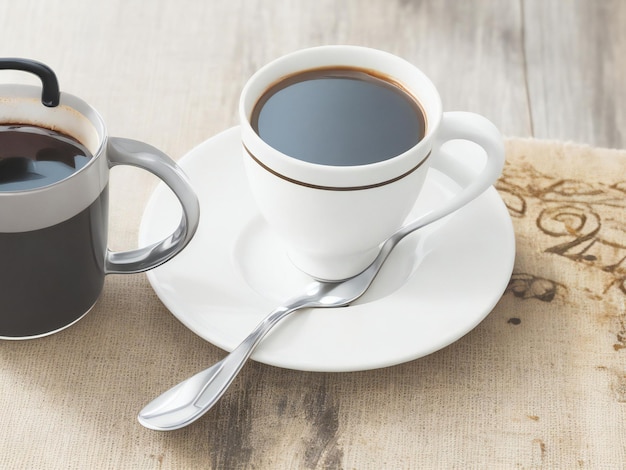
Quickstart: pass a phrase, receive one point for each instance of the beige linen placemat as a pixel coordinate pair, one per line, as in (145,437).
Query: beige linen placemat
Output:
(540,383)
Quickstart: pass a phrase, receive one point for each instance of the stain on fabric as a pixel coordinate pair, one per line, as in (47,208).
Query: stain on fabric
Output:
(620,335)
(528,286)
(231,425)
(618,387)
(322,448)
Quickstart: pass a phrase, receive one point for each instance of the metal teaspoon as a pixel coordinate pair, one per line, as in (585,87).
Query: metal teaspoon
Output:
(189,400)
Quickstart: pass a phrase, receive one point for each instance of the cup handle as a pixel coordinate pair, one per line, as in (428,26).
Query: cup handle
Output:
(474,128)
(131,152)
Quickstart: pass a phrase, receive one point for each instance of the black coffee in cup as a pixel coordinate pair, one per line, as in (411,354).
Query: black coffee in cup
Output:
(32,157)
(340,116)
(58,268)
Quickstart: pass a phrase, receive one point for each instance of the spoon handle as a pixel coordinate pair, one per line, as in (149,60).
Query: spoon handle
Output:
(190,399)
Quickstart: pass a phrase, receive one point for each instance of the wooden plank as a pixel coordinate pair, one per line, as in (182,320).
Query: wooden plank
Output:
(576,62)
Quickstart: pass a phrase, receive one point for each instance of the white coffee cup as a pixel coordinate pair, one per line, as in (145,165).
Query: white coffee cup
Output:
(334,218)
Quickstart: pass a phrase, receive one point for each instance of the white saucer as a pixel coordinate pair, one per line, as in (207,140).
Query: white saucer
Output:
(436,286)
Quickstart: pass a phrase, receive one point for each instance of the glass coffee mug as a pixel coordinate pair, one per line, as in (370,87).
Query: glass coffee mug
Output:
(55,157)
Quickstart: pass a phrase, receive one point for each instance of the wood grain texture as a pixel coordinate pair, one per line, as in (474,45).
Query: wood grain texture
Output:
(546,69)
(576,64)
(170,73)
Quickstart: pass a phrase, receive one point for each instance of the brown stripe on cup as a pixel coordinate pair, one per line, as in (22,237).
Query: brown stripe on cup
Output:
(336,188)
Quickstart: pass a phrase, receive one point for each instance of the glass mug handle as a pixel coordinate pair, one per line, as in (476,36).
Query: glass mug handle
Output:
(474,128)
(139,154)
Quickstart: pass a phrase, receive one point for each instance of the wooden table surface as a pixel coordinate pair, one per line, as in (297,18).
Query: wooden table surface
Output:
(546,69)
(170,73)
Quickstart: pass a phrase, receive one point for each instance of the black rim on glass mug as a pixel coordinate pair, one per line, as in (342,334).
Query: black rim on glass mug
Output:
(55,157)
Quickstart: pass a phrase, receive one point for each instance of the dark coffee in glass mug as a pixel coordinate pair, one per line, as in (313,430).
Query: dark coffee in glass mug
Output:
(339,116)
(32,157)
(55,157)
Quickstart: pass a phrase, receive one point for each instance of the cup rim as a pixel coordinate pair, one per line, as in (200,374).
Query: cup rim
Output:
(327,176)
(68,103)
